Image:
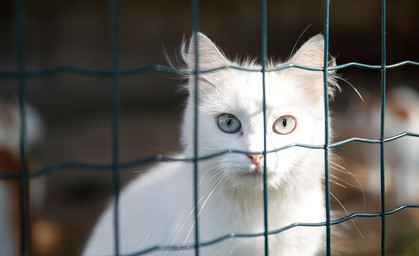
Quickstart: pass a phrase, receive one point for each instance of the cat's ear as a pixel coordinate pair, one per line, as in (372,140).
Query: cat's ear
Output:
(209,57)
(311,53)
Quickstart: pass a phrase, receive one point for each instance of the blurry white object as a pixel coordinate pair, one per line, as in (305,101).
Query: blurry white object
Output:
(10,161)
(10,125)
(402,155)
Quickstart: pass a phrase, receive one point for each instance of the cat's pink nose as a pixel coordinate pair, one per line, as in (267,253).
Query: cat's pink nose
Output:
(255,158)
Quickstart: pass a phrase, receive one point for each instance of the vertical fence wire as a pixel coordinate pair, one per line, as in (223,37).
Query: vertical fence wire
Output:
(265,175)
(22,79)
(326,124)
(195,27)
(383,103)
(113,17)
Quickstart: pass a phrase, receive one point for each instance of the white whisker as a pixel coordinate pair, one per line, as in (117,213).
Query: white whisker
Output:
(145,239)
(179,226)
(343,181)
(347,213)
(210,194)
(352,86)
(342,169)
(202,207)
(337,183)
(355,177)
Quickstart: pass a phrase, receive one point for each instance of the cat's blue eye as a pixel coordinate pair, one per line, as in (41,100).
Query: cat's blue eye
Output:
(285,125)
(228,123)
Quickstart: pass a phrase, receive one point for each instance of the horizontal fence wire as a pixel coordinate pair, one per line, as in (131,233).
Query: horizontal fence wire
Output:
(129,165)
(23,74)
(272,232)
(81,71)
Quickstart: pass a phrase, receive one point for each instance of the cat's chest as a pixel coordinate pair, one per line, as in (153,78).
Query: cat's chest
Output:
(224,213)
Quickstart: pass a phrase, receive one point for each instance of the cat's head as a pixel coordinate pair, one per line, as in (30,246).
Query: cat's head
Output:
(231,117)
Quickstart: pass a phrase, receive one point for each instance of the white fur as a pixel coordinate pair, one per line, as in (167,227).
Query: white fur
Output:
(157,208)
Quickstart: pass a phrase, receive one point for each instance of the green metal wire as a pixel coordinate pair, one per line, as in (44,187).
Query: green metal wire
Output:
(265,173)
(113,17)
(170,70)
(326,124)
(156,158)
(382,123)
(24,183)
(195,24)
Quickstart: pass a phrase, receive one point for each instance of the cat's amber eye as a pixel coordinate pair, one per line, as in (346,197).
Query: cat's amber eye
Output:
(228,123)
(285,125)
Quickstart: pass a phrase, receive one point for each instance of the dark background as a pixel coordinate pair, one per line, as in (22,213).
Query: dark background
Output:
(76,110)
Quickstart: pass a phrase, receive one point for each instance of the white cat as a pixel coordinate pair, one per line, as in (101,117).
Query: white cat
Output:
(157,208)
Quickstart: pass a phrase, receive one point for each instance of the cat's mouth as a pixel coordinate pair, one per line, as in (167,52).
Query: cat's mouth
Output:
(255,172)
(252,177)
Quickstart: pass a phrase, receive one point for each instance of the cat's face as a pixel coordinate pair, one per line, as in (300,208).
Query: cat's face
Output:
(231,117)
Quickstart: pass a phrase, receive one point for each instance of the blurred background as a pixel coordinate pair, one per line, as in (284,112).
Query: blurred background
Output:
(72,113)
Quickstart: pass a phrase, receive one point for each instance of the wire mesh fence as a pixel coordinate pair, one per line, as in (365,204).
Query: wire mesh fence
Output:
(22,75)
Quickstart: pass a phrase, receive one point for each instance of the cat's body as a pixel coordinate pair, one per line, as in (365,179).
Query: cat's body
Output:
(157,208)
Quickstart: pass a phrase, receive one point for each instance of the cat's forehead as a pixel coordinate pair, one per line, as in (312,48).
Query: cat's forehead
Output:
(242,93)
(247,88)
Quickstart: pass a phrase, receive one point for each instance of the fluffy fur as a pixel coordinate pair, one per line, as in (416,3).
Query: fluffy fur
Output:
(157,208)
